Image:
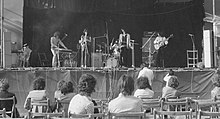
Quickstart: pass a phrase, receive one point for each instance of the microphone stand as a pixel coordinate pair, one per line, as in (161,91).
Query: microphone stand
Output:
(194,50)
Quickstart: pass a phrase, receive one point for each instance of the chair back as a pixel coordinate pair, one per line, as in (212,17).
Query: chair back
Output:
(127,115)
(208,105)
(62,106)
(192,95)
(151,104)
(210,114)
(3,113)
(161,114)
(102,105)
(8,102)
(86,116)
(40,106)
(32,115)
(182,104)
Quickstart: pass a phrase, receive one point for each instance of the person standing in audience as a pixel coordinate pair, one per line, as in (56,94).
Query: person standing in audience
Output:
(66,94)
(215,93)
(125,102)
(146,72)
(144,89)
(4,86)
(82,103)
(167,77)
(171,91)
(37,94)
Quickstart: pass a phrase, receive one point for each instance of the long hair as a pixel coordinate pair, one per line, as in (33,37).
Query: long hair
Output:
(86,84)
(126,84)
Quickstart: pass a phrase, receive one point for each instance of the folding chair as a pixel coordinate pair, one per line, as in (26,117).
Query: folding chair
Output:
(86,116)
(151,104)
(210,114)
(181,104)
(32,115)
(4,101)
(62,106)
(188,114)
(127,115)
(40,106)
(3,113)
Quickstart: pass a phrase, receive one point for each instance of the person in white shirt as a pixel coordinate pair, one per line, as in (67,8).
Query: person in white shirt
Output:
(144,89)
(146,72)
(82,103)
(125,102)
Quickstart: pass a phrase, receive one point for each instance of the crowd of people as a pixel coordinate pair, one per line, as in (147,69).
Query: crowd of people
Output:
(129,98)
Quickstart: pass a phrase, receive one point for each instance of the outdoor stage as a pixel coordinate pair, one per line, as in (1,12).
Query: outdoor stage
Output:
(20,80)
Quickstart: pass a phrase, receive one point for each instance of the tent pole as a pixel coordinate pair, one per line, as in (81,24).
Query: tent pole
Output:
(2,28)
(214,35)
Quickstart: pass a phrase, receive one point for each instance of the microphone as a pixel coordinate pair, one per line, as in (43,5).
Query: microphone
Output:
(66,34)
(191,34)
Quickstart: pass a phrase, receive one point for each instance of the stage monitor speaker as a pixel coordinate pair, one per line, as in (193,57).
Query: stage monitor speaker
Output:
(97,60)
(208,49)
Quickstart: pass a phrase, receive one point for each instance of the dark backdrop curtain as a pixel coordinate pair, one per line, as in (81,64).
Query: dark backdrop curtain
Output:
(43,17)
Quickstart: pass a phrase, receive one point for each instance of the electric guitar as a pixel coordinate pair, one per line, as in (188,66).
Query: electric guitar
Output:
(83,41)
(161,42)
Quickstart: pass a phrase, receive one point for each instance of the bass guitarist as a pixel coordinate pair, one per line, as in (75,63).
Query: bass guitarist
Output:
(84,48)
(55,41)
(159,44)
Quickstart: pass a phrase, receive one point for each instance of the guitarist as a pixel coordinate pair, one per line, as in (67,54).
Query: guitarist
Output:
(84,48)
(159,44)
(55,41)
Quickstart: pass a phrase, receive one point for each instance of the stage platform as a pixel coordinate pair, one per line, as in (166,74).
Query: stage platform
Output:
(20,79)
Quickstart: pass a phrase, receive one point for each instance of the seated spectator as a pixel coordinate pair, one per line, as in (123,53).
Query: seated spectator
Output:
(67,94)
(4,85)
(57,93)
(146,72)
(144,88)
(82,103)
(171,91)
(215,93)
(167,77)
(125,102)
(37,94)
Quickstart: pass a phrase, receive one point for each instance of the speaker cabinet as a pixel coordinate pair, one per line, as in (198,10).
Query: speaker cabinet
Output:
(97,60)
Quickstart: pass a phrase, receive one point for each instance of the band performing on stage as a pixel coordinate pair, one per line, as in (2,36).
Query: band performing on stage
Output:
(120,55)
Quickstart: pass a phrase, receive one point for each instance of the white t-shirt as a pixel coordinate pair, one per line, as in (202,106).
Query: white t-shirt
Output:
(144,93)
(125,104)
(81,105)
(145,72)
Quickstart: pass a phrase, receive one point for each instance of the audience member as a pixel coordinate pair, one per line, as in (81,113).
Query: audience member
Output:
(57,93)
(37,94)
(67,94)
(171,91)
(4,85)
(82,103)
(167,77)
(215,93)
(144,88)
(146,72)
(125,102)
